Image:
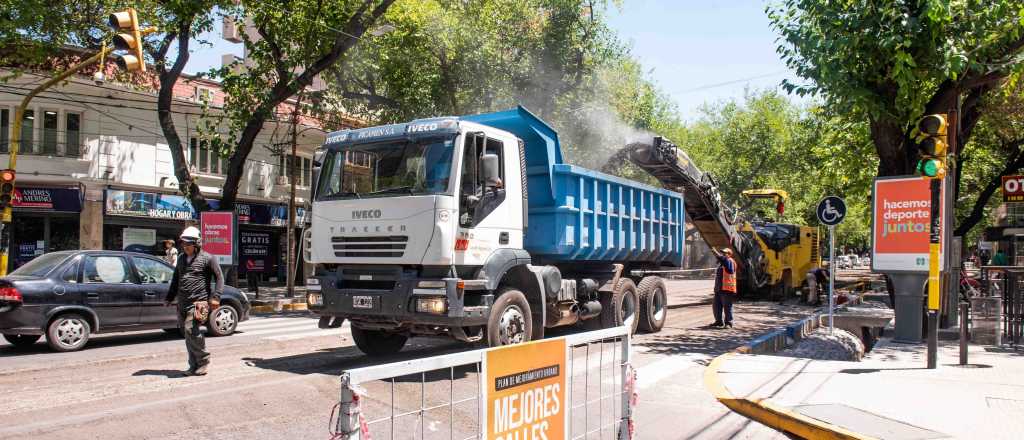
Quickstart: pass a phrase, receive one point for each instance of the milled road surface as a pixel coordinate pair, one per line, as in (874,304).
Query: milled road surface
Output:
(278,378)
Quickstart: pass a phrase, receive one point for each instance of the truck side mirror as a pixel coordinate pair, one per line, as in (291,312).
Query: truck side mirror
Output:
(489,165)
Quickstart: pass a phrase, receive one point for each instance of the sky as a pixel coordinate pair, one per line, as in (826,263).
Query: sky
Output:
(696,51)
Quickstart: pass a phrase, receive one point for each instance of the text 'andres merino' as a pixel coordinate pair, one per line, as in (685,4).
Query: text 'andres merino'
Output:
(524,416)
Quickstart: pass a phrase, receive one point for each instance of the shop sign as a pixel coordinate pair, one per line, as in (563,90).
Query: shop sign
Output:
(218,230)
(149,205)
(50,199)
(138,240)
(524,391)
(901,218)
(1013,189)
(254,251)
(263,214)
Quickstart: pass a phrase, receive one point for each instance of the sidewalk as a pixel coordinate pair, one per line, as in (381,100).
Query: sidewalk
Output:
(889,395)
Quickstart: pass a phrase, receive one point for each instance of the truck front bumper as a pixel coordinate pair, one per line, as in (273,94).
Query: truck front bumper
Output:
(398,299)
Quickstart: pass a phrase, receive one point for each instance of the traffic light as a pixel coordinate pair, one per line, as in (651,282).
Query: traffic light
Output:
(932,146)
(129,39)
(6,188)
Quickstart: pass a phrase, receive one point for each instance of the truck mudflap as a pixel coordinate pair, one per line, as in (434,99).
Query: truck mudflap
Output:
(400,299)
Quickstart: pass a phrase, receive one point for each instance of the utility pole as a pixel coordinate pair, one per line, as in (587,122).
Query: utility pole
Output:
(291,264)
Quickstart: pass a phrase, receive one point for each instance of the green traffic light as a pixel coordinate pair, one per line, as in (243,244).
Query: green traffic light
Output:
(929,167)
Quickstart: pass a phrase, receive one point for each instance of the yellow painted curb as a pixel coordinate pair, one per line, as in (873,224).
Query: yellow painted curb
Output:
(296,306)
(774,416)
(262,309)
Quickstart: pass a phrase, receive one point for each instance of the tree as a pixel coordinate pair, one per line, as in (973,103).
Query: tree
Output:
(297,41)
(892,62)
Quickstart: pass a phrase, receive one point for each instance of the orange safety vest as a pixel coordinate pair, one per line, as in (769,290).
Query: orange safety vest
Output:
(729,279)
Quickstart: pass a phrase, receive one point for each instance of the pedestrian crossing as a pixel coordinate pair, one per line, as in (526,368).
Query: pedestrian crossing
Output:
(286,328)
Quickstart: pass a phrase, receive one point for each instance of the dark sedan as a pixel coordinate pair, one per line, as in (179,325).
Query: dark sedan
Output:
(69,296)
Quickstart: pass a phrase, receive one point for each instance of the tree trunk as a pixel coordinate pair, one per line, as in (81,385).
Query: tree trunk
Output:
(168,78)
(889,141)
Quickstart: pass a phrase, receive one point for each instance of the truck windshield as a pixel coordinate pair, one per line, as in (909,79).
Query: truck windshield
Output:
(386,170)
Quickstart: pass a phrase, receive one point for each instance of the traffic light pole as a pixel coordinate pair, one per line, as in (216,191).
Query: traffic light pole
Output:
(933,274)
(19,115)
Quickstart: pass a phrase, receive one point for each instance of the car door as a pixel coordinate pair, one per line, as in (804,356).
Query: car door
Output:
(154,279)
(108,287)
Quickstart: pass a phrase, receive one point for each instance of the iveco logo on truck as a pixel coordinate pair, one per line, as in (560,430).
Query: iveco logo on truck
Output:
(418,128)
(367,213)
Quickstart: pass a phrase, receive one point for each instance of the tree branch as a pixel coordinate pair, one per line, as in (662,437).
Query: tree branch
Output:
(978,210)
(275,50)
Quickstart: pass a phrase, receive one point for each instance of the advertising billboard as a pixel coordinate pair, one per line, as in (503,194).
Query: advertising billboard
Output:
(901,218)
(525,391)
(219,232)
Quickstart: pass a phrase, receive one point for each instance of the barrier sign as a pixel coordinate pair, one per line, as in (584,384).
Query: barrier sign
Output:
(901,215)
(219,230)
(1013,188)
(525,391)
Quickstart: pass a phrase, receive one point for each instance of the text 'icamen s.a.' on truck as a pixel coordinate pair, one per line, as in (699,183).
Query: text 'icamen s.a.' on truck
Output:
(475,228)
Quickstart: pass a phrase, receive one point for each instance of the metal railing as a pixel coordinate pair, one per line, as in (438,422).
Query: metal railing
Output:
(442,396)
(1007,282)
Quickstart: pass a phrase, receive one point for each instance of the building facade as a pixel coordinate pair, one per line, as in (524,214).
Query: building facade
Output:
(94,170)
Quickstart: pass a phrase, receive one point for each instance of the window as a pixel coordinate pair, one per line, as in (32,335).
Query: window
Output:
(72,134)
(71,273)
(307,169)
(106,269)
(152,271)
(204,157)
(5,123)
(204,95)
(27,129)
(49,141)
(214,161)
(193,152)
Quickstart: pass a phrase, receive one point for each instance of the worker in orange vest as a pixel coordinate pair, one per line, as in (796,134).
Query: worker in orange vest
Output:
(725,288)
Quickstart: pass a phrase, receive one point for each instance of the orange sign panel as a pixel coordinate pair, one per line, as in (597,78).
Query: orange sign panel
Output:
(525,391)
(901,224)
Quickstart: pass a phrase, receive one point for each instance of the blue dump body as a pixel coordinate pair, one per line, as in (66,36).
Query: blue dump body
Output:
(576,214)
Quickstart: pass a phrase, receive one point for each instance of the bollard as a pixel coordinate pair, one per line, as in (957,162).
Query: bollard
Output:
(964,308)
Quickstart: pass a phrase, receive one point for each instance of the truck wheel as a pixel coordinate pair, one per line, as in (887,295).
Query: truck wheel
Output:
(510,321)
(621,306)
(653,304)
(378,343)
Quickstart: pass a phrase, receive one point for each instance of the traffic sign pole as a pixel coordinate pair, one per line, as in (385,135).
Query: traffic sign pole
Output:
(831,277)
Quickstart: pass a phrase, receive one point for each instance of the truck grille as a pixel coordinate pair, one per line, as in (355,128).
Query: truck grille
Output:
(383,246)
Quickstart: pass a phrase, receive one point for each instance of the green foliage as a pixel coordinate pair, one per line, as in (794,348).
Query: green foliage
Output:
(766,141)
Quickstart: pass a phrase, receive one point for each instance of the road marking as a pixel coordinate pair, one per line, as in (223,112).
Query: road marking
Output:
(308,334)
(650,374)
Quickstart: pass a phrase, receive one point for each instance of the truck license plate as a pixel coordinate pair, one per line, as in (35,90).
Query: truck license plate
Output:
(362,302)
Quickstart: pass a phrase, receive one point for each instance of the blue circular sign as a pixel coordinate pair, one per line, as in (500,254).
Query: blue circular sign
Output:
(831,211)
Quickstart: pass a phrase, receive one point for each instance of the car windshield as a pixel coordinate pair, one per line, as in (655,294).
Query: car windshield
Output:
(41,265)
(386,169)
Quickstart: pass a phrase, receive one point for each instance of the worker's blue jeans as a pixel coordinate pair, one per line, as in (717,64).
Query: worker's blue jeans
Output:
(723,302)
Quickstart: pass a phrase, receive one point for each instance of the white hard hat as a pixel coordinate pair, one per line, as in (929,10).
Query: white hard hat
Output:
(191,234)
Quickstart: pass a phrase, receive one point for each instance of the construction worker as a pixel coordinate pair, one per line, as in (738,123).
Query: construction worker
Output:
(191,286)
(817,279)
(725,288)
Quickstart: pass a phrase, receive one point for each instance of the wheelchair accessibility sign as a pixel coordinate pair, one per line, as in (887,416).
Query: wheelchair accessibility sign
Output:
(831,211)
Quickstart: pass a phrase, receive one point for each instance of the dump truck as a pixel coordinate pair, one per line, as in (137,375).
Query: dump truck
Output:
(475,228)
(773,257)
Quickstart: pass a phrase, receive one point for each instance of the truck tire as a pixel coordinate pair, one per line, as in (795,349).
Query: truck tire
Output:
(510,321)
(653,304)
(620,306)
(376,343)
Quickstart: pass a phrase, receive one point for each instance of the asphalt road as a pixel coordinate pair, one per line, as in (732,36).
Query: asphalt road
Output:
(278,378)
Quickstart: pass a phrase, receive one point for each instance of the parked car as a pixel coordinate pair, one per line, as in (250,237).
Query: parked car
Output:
(843,262)
(70,295)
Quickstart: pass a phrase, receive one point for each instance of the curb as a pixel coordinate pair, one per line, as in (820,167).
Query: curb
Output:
(774,416)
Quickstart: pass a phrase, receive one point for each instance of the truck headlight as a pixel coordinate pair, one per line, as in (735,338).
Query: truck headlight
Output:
(313,284)
(437,305)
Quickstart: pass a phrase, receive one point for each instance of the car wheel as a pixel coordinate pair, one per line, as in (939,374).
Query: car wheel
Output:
(68,332)
(378,343)
(653,304)
(510,321)
(223,321)
(621,306)
(22,341)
